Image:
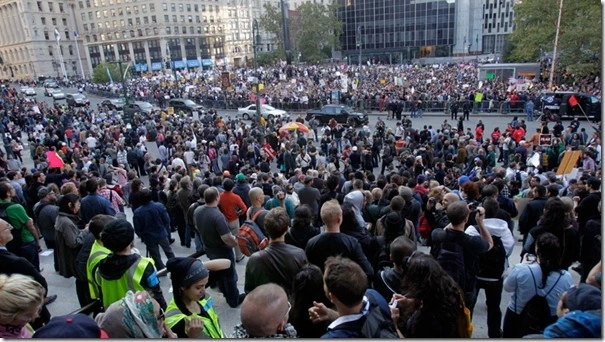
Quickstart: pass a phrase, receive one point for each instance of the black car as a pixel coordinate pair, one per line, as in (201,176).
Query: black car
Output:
(559,103)
(341,113)
(186,106)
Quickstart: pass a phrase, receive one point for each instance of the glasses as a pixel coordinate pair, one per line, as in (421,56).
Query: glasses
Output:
(161,315)
(288,312)
(8,227)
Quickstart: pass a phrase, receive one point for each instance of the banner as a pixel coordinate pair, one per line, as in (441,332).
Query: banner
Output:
(545,139)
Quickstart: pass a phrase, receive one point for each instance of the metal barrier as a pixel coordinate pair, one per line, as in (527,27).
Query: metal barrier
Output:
(97,304)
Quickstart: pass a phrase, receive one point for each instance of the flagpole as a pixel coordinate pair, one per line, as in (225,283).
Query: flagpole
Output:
(58,38)
(78,52)
(554,52)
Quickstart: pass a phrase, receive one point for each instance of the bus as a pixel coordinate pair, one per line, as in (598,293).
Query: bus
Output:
(506,71)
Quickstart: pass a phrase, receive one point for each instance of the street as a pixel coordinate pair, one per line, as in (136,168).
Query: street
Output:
(64,288)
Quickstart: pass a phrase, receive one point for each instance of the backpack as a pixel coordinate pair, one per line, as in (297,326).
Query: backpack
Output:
(451,258)
(377,323)
(535,316)
(250,237)
(173,201)
(511,145)
(491,264)
(14,246)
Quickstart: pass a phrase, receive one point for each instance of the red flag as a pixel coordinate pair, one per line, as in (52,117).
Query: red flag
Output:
(573,101)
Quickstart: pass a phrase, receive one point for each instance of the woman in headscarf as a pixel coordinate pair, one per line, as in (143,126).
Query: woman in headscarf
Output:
(137,315)
(190,313)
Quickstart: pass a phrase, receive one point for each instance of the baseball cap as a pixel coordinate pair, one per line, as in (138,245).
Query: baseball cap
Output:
(240,177)
(463,179)
(583,297)
(71,326)
(43,192)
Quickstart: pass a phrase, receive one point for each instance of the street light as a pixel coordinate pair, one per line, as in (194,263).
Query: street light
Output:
(255,44)
(359,42)
(176,85)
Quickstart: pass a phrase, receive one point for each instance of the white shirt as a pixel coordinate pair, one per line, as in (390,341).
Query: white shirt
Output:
(189,157)
(91,142)
(176,162)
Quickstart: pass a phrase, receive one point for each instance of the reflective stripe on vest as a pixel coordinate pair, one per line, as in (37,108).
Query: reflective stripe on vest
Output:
(212,327)
(97,253)
(114,290)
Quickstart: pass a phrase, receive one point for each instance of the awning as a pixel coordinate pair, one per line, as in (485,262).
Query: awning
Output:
(207,62)
(178,64)
(156,66)
(193,63)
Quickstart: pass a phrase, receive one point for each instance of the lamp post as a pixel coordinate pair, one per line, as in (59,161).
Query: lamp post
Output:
(176,84)
(255,44)
(359,42)
(123,81)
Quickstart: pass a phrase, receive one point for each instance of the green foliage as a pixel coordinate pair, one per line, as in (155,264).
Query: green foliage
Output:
(579,38)
(99,74)
(266,58)
(314,30)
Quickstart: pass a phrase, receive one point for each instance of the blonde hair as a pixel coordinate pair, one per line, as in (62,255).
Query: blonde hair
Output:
(19,294)
(68,188)
(330,212)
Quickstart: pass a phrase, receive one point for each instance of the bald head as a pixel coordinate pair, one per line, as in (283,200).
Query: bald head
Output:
(264,311)
(449,198)
(256,196)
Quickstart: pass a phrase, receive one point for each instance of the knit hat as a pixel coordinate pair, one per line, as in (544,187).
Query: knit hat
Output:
(463,179)
(406,193)
(185,272)
(421,179)
(117,235)
(240,177)
(70,326)
(43,192)
(583,297)
(393,221)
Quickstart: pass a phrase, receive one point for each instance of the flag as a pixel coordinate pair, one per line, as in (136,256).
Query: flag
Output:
(76,34)
(109,74)
(573,101)
(57,35)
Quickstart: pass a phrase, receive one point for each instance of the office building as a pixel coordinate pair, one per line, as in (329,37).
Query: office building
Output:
(398,31)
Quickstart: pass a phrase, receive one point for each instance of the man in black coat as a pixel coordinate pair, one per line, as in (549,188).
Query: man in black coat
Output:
(533,211)
(13,264)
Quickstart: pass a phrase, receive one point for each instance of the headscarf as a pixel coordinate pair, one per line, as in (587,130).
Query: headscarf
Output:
(132,317)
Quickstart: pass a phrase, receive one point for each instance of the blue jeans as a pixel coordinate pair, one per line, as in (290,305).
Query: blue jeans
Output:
(29,251)
(154,251)
(226,279)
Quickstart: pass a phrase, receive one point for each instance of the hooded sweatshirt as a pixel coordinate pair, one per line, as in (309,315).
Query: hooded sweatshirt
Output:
(356,198)
(499,228)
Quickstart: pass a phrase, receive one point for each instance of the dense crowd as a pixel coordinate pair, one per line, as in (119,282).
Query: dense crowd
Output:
(335,203)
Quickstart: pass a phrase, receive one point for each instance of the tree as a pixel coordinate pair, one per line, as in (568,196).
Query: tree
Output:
(579,37)
(99,74)
(314,30)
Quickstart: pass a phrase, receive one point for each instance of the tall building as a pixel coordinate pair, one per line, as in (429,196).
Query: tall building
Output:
(397,31)
(28,45)
(498,18)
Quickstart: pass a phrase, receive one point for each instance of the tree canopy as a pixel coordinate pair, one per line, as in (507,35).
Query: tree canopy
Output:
(579,37)
(314,30)
(99,73)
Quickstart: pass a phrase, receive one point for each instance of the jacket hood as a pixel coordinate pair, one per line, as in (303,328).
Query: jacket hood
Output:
(114,266)
(355,197)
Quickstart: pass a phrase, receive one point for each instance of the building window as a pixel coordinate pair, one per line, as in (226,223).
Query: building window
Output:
(39,3)
(105,14)
(189,18)
(46,36)
(81,4)
(113,12)
(87,3)
(50,50)
(173,7)
(135,9)
(165,6)
(155,31)
(180,7)
(137,21)
(199,30)
(153,19)
(98,14)
(182,18)
(152,7)
(120,11)
(43,20)
(107,26)
(130,22)
(195,8)
(54,21)
(145,20)
(122,23)
(188,7)
(144,8)
(88,39)
(203,8)
(61,8)
(197,19)
(50,7)
(94,38)
(89,15)
(67,34)
(168,30)
(85,26)
(140,32)
(166,18)
(174,18)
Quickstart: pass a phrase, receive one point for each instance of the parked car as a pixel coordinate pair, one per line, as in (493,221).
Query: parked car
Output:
(117,104)
(267,112)
(76,100)
(27,91)
(186,106)
(341,113)
(139,107)
(49,91)
(557,103)
(57,94)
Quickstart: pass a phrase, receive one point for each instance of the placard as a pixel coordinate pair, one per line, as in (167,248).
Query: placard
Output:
(570,158)
(196,115)
(171,110)
(545,139)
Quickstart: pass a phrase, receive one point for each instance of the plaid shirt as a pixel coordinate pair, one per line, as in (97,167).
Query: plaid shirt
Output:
(113,197)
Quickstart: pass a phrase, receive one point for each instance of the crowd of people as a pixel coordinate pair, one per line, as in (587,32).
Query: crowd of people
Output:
(335,203)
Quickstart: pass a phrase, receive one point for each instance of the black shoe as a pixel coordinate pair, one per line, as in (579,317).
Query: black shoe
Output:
(51,299)
(240,259)
(188,246)
(578,269)
(171,240)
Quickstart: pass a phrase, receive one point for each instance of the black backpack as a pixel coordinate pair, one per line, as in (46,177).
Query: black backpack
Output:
(377,323)
(451,258)
(491,264)
(14,246)
(536,316)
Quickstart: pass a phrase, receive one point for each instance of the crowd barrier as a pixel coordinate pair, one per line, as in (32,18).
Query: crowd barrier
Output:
(367,105)
(96,305)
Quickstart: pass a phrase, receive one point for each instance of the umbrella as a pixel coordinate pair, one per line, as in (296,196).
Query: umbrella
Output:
(294,126)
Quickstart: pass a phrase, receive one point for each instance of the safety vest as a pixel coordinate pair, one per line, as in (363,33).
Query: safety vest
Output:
(97,253)
(212,327)
(114,290)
